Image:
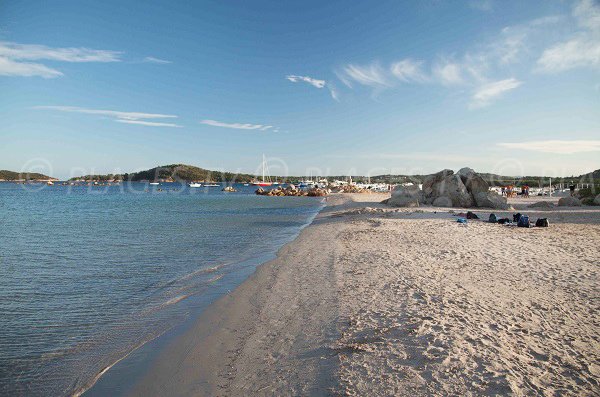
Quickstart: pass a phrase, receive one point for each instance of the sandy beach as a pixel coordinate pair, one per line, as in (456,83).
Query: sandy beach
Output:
(372,300)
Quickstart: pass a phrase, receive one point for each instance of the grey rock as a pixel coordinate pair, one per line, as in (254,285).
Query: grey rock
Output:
(442,201)
(453,188)
(569,202)
(491,200)
(432,180)
(402,201)
(542,205)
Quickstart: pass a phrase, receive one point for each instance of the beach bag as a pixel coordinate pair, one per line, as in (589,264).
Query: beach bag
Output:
(542,222)
(492,218)
(461,220)
(471,215)
(504,221)
(516,217)
(523,221)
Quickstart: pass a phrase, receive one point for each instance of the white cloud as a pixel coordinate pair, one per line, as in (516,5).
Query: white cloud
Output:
(372,75)
(238,126)
(148,123)
(555,146)
(122,117)
(12,56)
(448,73)
(8,67)
(28,52)
(489,91)
(587,13)
(314,82)
(581,50)
(408,70)
(155,60)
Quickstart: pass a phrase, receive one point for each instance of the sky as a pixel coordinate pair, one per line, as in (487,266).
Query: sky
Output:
(321,88)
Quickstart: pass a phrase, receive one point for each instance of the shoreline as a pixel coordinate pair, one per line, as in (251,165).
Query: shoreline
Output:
(231,328)
(353,306)
(133,362)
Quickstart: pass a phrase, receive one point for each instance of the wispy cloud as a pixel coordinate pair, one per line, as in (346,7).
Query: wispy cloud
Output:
(12,56)
(581,50)
(448,72)
(555,146)
(121,117)
(8,67)
(156,60)
(372,75)
(490,91)
(237,126)
(148,123)
(312,81)
(409,70)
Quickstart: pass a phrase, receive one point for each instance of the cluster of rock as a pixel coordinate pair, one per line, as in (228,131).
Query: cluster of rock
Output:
(351,189)
(292,191)
(464,189)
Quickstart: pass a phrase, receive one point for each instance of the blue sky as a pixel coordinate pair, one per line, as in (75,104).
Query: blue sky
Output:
(335,88)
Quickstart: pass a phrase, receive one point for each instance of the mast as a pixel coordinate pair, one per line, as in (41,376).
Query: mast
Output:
(263,168)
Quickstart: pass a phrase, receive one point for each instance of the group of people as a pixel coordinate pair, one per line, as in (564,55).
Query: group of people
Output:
(511,191)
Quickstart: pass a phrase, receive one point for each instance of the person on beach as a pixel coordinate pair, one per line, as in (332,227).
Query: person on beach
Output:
(572,189)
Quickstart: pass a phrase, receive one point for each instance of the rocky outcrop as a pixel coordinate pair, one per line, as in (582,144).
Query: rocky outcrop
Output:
(491,200)
(444,184)
(569,202)
(464,189)
(289,191)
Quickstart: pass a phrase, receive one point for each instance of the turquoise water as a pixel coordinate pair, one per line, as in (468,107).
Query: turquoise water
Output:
(87,274)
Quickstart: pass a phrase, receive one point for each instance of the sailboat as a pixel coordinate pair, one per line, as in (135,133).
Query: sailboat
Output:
(263,181)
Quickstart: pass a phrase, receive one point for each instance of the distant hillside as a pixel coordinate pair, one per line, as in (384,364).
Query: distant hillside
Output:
(29,176)
(172,173)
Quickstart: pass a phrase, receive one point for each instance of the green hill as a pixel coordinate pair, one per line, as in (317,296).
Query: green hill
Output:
(173,173)
(6,175)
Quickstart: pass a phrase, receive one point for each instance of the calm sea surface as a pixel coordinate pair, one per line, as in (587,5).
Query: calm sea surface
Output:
(87,274)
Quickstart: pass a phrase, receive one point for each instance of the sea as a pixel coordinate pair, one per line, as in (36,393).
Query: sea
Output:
(89,274)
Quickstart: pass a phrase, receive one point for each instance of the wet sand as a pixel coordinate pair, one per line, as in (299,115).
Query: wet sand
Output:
(371,300)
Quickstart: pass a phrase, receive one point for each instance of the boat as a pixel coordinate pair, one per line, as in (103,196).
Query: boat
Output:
(154,183)
(263,181)
(246,184)
(211,185)
(50,183)
(194,184)
(228,189)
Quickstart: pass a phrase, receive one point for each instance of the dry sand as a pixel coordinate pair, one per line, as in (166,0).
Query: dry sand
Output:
(370,300)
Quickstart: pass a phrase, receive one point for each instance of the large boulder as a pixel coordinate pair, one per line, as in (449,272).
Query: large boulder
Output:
(432,180)
(569,201)
(453,187)
(442,201)
(402,201)
(408,191)
(491,200)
